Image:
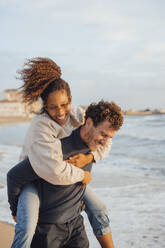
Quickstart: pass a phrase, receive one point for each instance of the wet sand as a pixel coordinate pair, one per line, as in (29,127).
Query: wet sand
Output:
(10,120)
(6,235)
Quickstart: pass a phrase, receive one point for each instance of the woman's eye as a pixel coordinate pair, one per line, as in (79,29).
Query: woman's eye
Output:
(65,105)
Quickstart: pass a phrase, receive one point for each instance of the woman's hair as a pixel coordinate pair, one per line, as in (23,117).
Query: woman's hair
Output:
(41,76)
(105,110)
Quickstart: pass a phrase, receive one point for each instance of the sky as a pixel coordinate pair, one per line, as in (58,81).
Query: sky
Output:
(112,50)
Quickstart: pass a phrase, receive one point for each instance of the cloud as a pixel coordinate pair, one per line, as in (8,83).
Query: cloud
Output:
(105,46)
(152,51)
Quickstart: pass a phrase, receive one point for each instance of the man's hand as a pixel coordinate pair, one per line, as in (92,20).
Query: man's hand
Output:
(87,178)
(82,206)
(15,218)
(80,159)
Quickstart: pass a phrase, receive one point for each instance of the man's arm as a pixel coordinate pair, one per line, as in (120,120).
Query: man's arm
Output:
(103,151)
(17,177)
(80,160)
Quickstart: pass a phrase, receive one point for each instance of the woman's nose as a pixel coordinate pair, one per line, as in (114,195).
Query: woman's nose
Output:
(60,111)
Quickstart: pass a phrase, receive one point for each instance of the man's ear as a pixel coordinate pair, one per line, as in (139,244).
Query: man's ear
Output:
(89,123)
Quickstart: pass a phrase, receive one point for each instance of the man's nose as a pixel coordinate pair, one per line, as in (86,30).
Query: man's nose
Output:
(104,141)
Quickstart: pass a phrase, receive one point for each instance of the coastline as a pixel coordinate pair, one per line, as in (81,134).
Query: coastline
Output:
(5,120)
(6,234)
(13,119)
(145,112)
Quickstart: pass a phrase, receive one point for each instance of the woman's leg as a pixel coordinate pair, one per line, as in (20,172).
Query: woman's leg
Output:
(27,217)
(98,218)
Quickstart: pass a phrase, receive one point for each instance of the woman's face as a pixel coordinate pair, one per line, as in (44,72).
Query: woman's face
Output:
(58,106)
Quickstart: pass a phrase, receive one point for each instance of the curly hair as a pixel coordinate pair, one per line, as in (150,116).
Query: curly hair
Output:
(41,76)
(105,110)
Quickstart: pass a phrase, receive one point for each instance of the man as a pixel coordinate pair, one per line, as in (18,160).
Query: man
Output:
(60,223)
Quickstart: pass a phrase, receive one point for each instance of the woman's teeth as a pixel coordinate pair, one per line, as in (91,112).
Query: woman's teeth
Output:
(61,117)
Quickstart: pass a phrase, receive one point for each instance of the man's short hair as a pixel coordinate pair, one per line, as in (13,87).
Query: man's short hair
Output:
(105,110)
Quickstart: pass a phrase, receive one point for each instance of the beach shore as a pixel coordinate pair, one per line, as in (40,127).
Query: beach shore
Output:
(9,120)
(6,235)
(7,230)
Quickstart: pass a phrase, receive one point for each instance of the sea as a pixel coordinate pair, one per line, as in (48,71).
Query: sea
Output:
(131,180)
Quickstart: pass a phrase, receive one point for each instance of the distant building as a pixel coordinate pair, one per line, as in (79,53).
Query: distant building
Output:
(11,104)
(13,95)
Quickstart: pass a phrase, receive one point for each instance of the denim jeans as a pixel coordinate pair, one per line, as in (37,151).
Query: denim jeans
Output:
(27,217)
(28,211)
(97,212)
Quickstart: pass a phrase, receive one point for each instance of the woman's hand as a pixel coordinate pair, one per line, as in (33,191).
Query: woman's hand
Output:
(15,218)
(80,159)
(87,178)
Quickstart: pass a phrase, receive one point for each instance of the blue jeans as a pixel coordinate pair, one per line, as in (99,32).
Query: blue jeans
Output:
(27,217)
(97,212)
(28,211)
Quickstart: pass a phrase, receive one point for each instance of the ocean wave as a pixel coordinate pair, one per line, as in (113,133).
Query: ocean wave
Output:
(9,157)
(5,213)
(13,134)
(151,127)
(134,137)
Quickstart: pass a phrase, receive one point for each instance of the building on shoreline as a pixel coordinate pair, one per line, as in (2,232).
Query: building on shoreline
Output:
(11,105)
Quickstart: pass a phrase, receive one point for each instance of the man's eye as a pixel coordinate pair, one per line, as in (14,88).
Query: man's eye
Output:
(105,135)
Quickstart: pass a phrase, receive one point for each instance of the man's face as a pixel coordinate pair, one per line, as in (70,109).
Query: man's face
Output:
(98,136)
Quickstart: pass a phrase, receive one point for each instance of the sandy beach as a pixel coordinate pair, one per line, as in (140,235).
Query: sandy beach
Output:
(6,235)
(9,120)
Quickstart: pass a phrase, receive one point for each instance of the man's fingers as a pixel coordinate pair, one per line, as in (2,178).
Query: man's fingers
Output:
(71,161)
(74,157)
(82,205)
(83,185)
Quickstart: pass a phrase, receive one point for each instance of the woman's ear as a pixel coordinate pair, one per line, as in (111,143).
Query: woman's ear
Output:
(70,99)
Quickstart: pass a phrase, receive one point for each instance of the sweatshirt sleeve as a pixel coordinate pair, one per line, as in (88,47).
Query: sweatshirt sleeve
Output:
(17,177)
(46,158)
(102,152)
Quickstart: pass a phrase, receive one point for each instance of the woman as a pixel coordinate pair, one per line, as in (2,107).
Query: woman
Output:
(42,79)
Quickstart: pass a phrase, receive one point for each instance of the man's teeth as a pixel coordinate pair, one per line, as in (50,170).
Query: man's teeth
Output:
(61,117)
